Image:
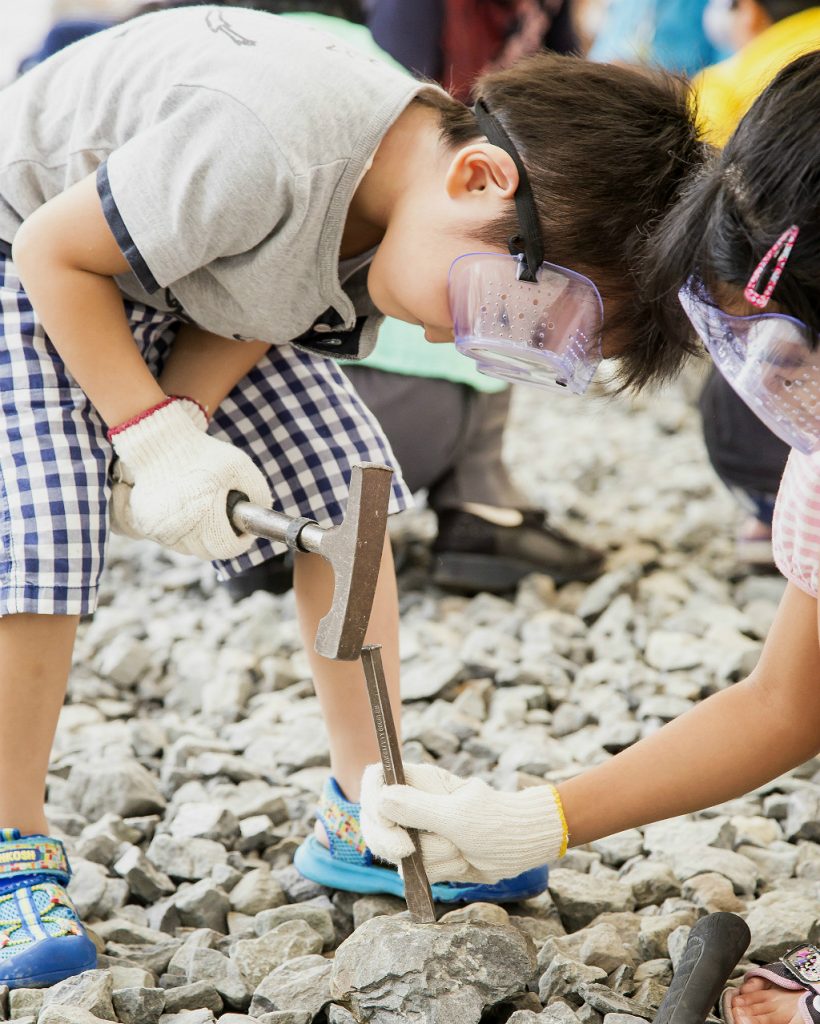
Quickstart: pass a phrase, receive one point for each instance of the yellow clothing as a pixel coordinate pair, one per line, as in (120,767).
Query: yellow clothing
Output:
(725,91)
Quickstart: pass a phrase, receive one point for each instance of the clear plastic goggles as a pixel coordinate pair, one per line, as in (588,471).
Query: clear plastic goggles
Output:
(767,360)
(545,332)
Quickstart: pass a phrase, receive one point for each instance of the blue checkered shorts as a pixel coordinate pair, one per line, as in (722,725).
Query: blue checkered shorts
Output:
(295,414)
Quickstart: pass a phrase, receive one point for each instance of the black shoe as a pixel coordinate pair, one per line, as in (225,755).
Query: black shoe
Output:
(472,554)
(275,576)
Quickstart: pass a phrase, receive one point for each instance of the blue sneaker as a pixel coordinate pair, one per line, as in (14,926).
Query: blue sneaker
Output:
(41,938)
(349,865)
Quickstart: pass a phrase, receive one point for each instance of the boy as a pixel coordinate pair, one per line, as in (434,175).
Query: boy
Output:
(181,199)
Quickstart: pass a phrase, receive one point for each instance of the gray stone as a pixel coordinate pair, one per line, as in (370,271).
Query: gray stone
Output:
(258,890)
(375,906)
(473,913)
(580,899)
(185,860)
(67,1015)
(144,880)
(130,977)
(283,1017)
(339,1015)
(651,882)
(803,815)
(199,963)
(713,893)
(777,921)
(741,872)
(301,985)
(205,821)
(139,1005)
(120,787)
(154,958)
(318,919)
(196,995)
(605,1001)
(617,849)
(25,1001)
(654,935)
(203,905)
(676,944)
(393,970)
(202,1016)
(256,958)
(91,990)
(564,976)
(426,678)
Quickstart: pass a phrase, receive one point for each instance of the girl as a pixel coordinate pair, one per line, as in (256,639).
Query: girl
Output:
(743,249)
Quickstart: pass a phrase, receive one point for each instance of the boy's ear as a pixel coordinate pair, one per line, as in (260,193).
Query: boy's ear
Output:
(481,167)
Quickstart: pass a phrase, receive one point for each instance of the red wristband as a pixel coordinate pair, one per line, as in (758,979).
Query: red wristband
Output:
(112,433)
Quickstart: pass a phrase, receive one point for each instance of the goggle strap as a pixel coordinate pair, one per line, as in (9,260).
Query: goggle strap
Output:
(528,243)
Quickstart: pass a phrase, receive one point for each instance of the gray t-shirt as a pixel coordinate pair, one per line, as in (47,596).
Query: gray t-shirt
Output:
(227,144)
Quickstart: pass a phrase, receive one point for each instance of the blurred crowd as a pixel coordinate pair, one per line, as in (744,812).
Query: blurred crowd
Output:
(488,536)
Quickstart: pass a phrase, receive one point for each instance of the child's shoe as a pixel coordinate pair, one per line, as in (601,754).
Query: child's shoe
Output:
(41,938)
(349,865)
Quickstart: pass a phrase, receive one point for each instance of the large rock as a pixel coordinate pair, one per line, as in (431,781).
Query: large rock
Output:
(120,787)
(581,898)
(91,990)
(392,970)
(779,920)
(300,985)
(318,918)
(256,958)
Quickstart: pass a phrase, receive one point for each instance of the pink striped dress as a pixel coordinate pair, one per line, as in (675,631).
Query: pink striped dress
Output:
(796,527)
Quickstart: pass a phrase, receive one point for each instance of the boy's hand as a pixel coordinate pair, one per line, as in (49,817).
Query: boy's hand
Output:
(172,482)
(469,831)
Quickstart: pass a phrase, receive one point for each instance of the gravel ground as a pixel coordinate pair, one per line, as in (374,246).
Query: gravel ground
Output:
(189,757)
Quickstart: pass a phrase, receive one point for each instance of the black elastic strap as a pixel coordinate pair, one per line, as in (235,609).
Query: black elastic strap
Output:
(528,242)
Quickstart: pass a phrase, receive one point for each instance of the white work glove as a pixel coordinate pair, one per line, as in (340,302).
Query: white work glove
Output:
(469,831)
(171,482)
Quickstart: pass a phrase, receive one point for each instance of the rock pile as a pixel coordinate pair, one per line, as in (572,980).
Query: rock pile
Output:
(190,754)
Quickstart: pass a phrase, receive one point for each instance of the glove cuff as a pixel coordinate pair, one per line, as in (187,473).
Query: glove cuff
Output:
(182,399)
(163,434)
(540,817)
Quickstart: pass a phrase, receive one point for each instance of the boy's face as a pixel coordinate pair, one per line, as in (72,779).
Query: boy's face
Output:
(435,222)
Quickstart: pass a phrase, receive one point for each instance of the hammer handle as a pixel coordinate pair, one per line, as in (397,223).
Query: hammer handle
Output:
(416,886)
(713,950)
(298,534)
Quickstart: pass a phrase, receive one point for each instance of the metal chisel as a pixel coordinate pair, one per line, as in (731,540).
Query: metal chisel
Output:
(416,887)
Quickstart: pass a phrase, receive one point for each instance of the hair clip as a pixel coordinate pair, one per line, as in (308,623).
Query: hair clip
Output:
(781,249)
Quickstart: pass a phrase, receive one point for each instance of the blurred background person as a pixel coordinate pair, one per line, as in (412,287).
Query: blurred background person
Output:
(657,33)
(766,35)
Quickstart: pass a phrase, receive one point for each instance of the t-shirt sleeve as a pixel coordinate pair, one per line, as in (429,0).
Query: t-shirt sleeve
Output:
(204,181)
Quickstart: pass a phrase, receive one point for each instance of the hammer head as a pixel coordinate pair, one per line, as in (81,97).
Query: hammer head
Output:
(354,550)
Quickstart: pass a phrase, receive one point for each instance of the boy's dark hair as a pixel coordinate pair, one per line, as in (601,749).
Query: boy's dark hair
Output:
(767,178)
(607,150)
(780,9)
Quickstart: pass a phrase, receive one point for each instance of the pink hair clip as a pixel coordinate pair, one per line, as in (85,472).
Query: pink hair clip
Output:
(782,248)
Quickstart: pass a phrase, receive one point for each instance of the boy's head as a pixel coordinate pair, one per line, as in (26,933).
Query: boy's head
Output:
(607,151)
(765,180)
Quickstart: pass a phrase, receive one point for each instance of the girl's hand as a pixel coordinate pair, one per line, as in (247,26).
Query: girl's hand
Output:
(172,482)
(469,831)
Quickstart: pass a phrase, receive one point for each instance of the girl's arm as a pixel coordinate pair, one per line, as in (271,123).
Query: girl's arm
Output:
(728,745)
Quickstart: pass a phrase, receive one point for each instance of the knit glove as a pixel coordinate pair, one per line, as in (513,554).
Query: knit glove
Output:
(171,482)
(469,831)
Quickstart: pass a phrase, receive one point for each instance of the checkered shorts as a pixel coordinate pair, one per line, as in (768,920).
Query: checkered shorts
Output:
(295,414)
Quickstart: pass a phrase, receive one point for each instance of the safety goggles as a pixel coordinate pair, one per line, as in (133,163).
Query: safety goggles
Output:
(545,332)
(519,317)
(767,360)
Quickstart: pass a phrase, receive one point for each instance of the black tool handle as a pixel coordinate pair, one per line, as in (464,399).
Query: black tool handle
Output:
(713,950)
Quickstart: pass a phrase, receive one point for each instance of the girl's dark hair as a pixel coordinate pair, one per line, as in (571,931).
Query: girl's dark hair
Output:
(767,178)
(780,9)
(607,150)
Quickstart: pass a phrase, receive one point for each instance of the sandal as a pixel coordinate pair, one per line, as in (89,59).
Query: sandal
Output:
(798,969)
(41,938)
(349,865)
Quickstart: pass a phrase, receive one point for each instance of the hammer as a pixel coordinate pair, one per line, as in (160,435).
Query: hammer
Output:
(353,549)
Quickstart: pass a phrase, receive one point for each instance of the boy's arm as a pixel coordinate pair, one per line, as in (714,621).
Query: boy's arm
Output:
(67,257)
(207,367)
(726,746)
